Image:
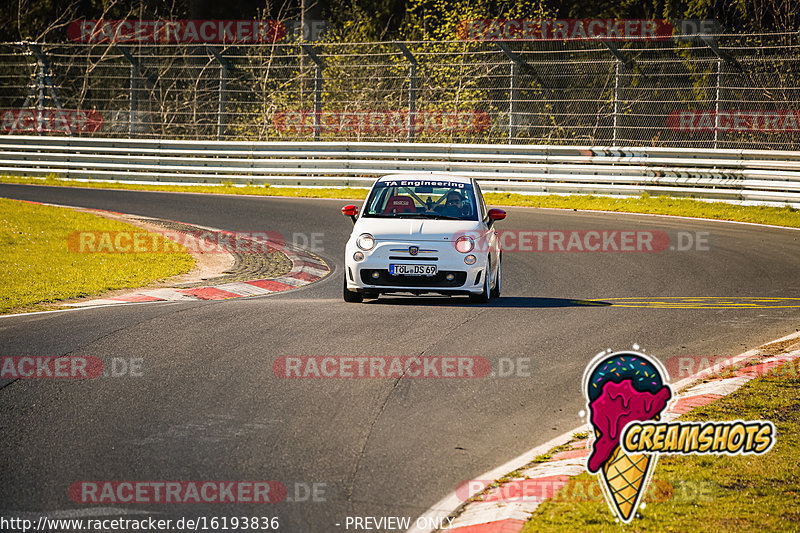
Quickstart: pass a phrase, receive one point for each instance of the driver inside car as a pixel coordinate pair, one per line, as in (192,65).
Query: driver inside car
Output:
(453,205)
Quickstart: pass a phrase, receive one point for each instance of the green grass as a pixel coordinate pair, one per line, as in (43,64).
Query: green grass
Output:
(659,205)
(711,493)
(225,188)
(37,269)
(662,205)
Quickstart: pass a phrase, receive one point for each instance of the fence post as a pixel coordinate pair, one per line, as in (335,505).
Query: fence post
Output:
(222,100)
(723,58)
(412,101)
(616,102)
(517,62)
(222,97)
(621,62)
(717,103)
(513,89)
(133,105)
(138,75)
(44,82)
(40,85)
(320,66)
(513,99)
(412,90)
(133,98)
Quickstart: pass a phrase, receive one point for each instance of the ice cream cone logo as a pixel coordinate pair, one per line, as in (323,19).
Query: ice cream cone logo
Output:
(620,388)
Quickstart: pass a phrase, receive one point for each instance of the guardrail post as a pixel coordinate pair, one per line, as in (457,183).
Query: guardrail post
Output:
(320,66)
(412,90)
(222,97)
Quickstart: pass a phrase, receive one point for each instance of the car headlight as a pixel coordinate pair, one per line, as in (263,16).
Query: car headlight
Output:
(470,259)
(365,241)
(465,244)
(358,256)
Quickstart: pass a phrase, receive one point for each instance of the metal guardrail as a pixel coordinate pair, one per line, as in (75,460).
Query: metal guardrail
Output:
(732,175)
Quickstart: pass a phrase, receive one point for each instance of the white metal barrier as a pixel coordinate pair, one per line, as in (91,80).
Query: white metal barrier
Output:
(733,175)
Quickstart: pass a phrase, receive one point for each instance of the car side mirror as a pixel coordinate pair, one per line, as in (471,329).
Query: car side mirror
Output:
(352,212)
(495,214)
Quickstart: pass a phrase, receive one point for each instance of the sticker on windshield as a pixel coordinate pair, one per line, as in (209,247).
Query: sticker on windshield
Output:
(422,183)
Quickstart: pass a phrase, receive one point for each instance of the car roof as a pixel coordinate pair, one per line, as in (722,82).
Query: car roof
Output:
(426,176)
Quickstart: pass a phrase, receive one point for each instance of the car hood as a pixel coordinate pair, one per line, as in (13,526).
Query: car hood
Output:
(415,229)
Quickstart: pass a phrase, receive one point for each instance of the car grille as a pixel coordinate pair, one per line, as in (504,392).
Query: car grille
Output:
(385,279)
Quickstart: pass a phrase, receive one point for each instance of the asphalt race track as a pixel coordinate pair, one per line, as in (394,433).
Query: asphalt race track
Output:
(209,407)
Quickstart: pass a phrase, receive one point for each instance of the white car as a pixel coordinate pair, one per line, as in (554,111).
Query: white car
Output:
(423,233)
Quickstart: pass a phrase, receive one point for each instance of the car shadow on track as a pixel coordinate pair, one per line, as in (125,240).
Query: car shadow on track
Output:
(529,302)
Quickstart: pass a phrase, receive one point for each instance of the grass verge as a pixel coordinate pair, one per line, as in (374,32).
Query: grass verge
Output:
(37,269)
(225,188)
(657,205)
(660,205)
(711,493)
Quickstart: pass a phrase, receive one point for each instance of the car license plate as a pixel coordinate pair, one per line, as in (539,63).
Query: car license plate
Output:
(412,270)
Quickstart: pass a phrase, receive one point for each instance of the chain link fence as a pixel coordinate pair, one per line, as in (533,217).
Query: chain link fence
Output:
(729,91)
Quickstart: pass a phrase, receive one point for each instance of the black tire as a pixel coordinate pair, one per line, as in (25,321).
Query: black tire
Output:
(484,296)
(350,296)
(496,291)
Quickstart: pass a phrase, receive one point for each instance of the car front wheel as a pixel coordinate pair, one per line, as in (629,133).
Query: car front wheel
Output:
(498,276)
(350,296)
(483,297)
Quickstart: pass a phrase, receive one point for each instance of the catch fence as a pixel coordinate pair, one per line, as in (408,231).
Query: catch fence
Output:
(725,91)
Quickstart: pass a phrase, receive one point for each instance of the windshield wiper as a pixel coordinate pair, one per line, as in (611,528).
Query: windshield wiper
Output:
(435,216)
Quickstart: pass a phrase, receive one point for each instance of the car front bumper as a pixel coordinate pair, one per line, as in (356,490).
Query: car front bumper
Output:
(372,273)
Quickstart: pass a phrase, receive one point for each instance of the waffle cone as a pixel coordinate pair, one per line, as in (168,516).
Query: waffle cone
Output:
(625,476)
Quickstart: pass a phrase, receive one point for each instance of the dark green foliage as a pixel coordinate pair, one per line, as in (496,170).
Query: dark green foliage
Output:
(370,20)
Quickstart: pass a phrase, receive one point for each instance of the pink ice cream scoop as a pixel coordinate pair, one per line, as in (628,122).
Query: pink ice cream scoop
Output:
(617,405)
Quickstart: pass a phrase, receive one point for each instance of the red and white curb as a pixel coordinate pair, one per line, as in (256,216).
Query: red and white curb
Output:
(306,268)
(507,507)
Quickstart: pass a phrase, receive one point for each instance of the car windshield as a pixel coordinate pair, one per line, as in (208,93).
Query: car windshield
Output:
(441,200)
